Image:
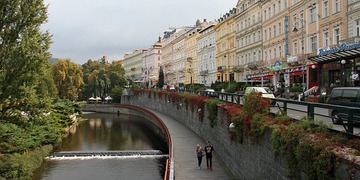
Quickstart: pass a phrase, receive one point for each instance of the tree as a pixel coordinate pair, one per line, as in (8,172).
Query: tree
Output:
(100,78)
(68,78)
(24,58)
(161,78)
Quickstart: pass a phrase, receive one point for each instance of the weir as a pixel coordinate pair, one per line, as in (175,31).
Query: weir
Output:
(106,153)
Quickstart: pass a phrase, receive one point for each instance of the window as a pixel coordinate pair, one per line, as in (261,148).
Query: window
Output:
(269,12)
(313,44)
(279,6)
(325,9)
(259,55)
(254,37)
(280,32)
(336,6)
(270,33)
(274,31)
(266,55)
(295,50)
(357,27)
(302,20)
(254,56)
(265,33)
(313,15)
(275,53)
(336,36)
(280,52)
(274,9)
(265,15)
(326,39)
(295,22)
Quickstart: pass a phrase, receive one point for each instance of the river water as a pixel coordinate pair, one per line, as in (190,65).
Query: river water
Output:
(108,132)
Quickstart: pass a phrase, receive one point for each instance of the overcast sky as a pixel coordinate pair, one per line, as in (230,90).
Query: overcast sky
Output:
(90,29)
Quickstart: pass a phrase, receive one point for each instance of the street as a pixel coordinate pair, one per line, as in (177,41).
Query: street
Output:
(299,111)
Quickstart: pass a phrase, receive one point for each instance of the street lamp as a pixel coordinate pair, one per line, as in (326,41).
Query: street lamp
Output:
(302,55)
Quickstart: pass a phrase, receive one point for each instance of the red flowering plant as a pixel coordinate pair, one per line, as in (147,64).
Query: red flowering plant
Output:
(186,98)
(312,99)
(200,104)
(233,114)
(160,94)
(137,91)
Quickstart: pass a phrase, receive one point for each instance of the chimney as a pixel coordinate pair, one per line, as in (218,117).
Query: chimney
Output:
(204,20)
(159,39)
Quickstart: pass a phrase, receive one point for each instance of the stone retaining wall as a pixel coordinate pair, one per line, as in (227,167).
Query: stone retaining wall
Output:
(247,160)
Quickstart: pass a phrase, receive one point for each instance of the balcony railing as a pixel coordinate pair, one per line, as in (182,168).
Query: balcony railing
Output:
(252,65)
(238,68)
(204,73)
(221,68)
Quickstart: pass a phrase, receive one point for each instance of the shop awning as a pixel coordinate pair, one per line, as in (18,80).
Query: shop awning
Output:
(264,77)
(296,73)
(337,55)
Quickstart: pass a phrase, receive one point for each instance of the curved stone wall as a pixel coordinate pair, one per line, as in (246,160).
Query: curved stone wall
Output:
(247,160)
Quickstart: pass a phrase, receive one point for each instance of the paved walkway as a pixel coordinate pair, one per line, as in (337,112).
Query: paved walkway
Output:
(184,142)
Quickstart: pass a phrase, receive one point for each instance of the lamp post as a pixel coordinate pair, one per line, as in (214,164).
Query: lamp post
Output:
(302,56)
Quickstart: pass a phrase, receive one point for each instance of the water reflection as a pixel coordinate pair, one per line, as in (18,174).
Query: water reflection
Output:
(102,132)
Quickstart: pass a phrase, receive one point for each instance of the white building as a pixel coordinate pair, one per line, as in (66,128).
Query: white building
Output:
(207,55)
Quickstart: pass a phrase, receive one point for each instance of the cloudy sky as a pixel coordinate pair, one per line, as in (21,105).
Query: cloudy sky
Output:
(90,29)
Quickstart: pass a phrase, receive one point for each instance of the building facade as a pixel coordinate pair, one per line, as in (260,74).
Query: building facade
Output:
(249,48)
(225,46)
(133,66)
(206,53)
(151,64)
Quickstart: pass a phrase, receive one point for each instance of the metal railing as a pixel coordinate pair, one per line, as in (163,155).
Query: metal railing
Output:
(310,108)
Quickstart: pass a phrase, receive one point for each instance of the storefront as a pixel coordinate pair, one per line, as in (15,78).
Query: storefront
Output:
(339,66)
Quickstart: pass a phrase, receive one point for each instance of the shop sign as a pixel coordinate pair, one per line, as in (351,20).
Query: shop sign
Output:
(292,59)
(343,47)
(277,66)
(286,35)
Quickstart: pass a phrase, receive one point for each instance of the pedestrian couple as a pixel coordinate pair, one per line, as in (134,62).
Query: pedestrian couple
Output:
(208,149)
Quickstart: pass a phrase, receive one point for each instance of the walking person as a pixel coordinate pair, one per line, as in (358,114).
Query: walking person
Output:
(199,154)
(208,150)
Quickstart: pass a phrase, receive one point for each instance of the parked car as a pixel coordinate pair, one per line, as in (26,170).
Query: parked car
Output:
(210,92)
(344,96)
(265,92)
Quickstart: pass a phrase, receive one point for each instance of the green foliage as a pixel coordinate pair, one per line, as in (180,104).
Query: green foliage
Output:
(68,78)
(160,83)
(305,148)
(24,79)
(100,78)
(212,106)
(296,89)
(21,166)
(116,94)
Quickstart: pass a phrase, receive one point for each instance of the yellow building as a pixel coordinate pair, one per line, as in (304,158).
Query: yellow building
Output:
(225,46)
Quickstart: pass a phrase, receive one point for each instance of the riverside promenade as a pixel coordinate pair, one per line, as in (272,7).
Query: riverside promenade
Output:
(184,142)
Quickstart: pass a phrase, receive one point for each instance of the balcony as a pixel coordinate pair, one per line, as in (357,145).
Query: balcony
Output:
(221,68)
(189,59)
(204,73)
(252,65)
(238,68)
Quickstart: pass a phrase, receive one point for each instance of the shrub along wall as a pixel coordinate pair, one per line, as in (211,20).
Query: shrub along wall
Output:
(261,145)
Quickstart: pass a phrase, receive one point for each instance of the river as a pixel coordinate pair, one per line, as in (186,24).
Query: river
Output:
(107,132)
